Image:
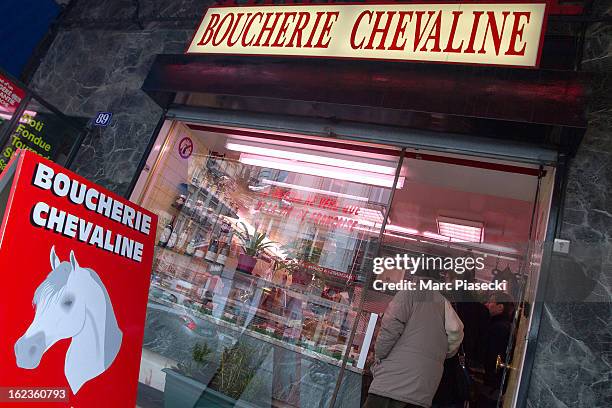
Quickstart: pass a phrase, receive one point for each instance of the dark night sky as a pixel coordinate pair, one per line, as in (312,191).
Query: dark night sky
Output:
(24,24)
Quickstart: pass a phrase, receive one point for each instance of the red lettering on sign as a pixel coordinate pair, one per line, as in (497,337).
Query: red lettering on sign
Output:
(325,31)
(435,36)
(267,29)
(248,27)
(495,33)
(231,42)
(216,42)
(314,29)
(209,31)
(400,31)
(356,27)
(299,28)
(280,37)
(517,33)
(451,37)
(470,47)
(384,30)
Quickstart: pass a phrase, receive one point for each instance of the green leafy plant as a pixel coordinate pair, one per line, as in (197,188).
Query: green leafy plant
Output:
(259,330)
(253,244)
(228,319)
(303,250)
(201,352)
(197,366)
(236,370)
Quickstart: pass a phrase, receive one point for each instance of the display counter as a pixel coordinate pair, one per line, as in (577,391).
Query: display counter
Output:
(237,301)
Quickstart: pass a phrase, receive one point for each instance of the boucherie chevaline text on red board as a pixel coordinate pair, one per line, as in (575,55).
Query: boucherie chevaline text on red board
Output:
(52,218)
(410,30)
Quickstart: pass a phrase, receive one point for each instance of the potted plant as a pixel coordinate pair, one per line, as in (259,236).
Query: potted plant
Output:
(252,246)
(186,382)
(236,370)
(204,383)
(300,253)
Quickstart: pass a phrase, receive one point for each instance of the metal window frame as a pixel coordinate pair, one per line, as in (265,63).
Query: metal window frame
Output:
(554,224)
(449,143)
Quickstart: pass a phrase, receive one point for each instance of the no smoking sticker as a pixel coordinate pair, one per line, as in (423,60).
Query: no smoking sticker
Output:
(185,147)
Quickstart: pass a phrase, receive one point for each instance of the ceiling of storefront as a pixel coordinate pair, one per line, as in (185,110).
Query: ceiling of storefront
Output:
(502,201)
(474,180)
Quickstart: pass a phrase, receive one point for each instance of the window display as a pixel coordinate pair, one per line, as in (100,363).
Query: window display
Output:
(264,242)
(270,272)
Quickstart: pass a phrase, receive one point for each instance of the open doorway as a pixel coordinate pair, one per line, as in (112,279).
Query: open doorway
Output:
(492,211)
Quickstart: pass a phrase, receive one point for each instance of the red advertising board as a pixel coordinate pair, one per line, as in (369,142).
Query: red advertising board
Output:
(10,96)
(76,261)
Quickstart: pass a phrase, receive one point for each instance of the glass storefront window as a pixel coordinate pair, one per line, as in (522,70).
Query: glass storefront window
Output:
(263,288)
(264,246)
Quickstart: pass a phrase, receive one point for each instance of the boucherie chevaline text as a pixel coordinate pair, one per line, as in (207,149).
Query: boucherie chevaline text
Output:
(502,33)
(63,222)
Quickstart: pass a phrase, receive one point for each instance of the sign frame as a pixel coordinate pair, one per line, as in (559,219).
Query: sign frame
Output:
(225,5)
(84,336)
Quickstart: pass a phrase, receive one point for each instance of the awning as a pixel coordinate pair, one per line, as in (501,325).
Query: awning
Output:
(549,97)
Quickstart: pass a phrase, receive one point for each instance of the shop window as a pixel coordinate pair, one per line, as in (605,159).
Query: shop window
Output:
(463,226)
(263,287)
(265,243)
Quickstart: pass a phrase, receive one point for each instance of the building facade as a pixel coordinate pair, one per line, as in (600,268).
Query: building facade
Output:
(103,54)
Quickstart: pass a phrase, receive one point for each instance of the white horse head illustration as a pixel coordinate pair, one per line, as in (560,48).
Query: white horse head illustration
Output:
(72,302)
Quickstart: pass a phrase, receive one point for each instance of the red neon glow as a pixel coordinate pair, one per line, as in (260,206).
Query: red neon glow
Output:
(314,190)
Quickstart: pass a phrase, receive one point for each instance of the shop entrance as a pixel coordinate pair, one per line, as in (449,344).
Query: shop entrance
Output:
(263,287)
(496,213)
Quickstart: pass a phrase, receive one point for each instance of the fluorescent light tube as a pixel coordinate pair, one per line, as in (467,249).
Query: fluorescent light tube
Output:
(325,158)
(356,176)
(461,230)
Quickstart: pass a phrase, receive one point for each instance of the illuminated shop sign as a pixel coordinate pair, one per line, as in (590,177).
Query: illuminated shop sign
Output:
(30,134)
(10,97)
(495,34)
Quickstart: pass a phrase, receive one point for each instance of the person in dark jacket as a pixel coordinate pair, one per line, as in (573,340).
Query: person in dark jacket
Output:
(501,309)
(448,394)
(475,317)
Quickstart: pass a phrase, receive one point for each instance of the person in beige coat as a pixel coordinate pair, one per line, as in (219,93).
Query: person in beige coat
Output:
(419,330)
